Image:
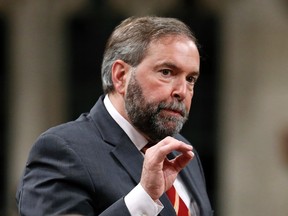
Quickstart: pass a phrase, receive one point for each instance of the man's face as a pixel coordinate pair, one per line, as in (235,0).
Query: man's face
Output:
(160,88)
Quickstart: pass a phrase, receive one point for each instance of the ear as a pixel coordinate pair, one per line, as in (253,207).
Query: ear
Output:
(120,73)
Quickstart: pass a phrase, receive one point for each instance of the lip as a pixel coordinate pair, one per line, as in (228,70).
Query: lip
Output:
(174,112)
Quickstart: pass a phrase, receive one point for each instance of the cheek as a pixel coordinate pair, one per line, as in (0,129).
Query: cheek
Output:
(155,91)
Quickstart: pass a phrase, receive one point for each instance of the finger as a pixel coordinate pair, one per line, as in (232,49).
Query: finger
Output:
(182,160)
(178,145)
(166,146)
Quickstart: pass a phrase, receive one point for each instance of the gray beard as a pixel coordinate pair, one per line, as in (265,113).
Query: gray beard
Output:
(147,117)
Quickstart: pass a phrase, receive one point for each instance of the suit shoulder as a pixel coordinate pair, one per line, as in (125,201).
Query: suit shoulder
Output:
(78,127)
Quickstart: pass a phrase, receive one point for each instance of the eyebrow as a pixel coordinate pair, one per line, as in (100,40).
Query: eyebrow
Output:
(174,67)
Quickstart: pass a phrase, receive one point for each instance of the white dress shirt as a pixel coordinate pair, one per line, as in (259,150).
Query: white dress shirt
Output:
(138,202)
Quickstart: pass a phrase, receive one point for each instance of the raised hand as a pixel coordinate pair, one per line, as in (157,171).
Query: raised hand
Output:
(159,173)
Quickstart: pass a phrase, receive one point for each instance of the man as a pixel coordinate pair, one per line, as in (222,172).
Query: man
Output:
(101,164)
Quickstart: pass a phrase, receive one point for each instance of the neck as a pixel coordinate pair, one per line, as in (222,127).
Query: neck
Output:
(119,104)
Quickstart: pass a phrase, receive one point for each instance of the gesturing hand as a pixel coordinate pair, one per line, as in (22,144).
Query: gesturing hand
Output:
(159,173)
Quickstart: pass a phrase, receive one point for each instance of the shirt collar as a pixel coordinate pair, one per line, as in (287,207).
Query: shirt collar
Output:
(138,139)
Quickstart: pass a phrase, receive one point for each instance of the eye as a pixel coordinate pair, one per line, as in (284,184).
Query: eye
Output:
(191,79)
(166,72)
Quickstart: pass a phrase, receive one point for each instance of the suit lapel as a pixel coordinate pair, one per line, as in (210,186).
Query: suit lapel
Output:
(124,150)
(190,177)
(168,208)
(130,158)
(191,183)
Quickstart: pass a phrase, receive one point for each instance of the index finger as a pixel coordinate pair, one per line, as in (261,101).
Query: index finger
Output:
(168,145)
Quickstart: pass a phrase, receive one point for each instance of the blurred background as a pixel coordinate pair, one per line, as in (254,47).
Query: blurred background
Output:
(50,57)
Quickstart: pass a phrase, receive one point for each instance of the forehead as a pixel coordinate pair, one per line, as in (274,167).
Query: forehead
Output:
(179,50)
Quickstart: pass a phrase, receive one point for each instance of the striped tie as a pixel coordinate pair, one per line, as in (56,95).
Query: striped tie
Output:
(178,204)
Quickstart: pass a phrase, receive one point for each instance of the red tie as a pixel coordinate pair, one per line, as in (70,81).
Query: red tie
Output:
(178,204)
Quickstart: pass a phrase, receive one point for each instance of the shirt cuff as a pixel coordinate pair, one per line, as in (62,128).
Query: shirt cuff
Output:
(139,203)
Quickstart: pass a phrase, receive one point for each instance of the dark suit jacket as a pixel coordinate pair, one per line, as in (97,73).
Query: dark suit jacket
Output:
(87,167)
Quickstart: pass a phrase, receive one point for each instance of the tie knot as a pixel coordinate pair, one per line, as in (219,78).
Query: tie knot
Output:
(148,145)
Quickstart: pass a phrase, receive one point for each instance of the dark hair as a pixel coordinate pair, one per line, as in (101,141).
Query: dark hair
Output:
(130,39)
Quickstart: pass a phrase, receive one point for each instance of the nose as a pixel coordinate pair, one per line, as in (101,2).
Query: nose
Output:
(180,89)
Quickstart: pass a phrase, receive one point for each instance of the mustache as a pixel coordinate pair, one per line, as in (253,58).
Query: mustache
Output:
(175,106)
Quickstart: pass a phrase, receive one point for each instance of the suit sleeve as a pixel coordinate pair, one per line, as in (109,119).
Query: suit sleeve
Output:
(55,182)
